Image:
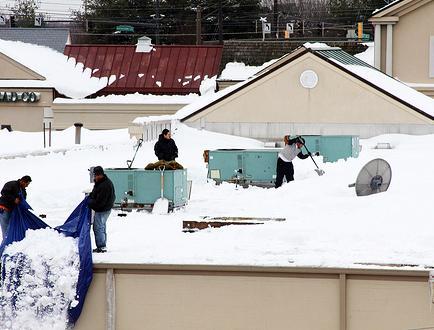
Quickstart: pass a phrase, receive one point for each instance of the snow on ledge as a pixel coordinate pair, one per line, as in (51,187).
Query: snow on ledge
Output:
(135,98)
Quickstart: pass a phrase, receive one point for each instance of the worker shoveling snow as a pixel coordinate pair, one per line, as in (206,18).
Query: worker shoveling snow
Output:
(44,269)
(45,272)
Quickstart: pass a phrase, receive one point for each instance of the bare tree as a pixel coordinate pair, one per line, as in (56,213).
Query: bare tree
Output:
(24,12)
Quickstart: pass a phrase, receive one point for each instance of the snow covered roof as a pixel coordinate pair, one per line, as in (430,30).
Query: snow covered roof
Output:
(54,38)
(60,73)
(344,61)
(389,5)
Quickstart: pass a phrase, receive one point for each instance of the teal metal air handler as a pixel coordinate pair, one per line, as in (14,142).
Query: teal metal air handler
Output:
(258,166)
(140,188)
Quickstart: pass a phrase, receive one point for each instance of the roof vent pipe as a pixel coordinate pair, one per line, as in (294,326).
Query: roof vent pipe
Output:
(144,45)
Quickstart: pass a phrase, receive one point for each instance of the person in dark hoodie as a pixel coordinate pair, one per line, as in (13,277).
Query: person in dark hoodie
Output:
(165,148)
(11,195)
(101,200)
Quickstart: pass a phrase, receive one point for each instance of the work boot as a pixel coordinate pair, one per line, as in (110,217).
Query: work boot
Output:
(100,250)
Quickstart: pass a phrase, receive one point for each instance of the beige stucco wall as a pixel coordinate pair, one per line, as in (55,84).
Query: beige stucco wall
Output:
(186,297)
(106,116)
(23,116)
(9,69)
(380,304)
(411,41)
(337,98)
(411,45)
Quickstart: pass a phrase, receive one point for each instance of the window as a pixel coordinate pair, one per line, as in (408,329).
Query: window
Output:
(431,57)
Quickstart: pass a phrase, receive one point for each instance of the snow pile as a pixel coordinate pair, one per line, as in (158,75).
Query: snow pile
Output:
(367,55)
(317,46)
(39,286)
(60,72)
(240,71)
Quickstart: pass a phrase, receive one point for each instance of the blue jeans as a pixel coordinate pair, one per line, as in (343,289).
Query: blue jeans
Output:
(99,224)
(5,219)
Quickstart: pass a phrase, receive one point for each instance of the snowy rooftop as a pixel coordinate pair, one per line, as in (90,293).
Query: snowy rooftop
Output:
(60,73)
(326,224)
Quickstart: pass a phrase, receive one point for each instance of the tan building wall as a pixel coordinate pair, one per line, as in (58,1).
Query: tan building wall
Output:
(10,69)
(25,116)
(411,41)
(106,116)
(338,98)
(162,297)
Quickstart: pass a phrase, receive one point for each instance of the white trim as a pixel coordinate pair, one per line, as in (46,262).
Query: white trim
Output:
(377,46)
(431,57)
(389,50)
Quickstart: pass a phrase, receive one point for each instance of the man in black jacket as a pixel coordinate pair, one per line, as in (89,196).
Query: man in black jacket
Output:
(101,200)
(165,148)
(11,195)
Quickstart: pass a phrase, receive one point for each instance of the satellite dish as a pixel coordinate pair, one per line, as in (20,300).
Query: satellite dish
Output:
(373,178)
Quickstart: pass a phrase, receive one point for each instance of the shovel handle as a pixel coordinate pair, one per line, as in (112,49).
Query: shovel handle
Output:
(162,180)
(311,156)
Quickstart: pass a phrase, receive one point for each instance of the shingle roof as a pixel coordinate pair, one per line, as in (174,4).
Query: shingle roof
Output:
(55,38)
(174,69)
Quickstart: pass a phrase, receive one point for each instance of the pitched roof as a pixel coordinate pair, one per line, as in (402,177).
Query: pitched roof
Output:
(45,63)
(174,69)
(54,38)
(340,59)
(397,8)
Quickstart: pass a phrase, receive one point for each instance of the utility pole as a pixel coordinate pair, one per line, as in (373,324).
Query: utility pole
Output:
(220,20)
(157,17)
(86,22)
(199,25)
(274,26)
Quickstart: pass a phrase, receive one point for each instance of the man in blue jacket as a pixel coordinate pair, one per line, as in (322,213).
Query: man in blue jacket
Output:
(101,200)
(11,195)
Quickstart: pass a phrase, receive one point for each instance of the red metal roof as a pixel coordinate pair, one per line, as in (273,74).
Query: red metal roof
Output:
(166,69)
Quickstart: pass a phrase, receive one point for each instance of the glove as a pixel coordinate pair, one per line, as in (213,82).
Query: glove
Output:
(316,153)
(309,153)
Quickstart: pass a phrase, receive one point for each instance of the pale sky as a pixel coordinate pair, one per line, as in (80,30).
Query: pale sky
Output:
(55,9)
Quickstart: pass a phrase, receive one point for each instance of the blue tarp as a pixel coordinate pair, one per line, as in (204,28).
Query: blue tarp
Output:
(77,226)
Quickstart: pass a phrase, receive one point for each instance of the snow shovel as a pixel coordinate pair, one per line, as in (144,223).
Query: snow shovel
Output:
(130,162)
(161,205)
(317,170)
